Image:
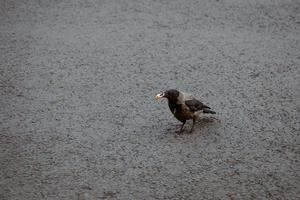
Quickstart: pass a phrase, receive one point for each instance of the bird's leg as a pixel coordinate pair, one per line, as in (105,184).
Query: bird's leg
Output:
(194,120)
(197,117)
(181,128)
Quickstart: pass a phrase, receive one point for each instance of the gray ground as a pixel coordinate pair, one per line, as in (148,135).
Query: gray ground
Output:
(78,115)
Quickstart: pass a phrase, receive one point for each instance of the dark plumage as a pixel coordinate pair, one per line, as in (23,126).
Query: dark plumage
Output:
(184,106)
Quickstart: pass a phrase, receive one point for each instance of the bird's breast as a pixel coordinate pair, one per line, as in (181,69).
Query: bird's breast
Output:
(181,113)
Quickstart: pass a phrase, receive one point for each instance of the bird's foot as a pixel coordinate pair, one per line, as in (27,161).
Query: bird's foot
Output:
(181,128)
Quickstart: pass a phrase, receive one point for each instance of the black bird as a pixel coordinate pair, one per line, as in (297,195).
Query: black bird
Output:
(184,106)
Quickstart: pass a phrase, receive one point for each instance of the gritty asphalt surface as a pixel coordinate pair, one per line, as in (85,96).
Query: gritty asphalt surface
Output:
(78,115)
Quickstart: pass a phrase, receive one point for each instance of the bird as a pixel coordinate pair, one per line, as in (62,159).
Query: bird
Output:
(184,106)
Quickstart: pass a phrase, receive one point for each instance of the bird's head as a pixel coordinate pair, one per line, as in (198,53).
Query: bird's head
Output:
(169,94)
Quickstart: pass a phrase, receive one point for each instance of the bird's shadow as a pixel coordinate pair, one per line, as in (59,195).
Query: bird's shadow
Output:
(201,123)
(206,121)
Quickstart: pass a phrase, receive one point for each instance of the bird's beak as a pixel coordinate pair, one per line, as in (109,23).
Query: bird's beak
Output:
(159,96)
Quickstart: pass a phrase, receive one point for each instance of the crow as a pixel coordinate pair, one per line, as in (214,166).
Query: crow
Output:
(184,106)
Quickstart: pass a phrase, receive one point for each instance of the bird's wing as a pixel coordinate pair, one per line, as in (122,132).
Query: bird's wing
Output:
(195,105)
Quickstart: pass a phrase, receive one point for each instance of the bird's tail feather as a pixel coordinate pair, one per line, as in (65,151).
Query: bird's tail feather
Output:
(209,111)
(206,107)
